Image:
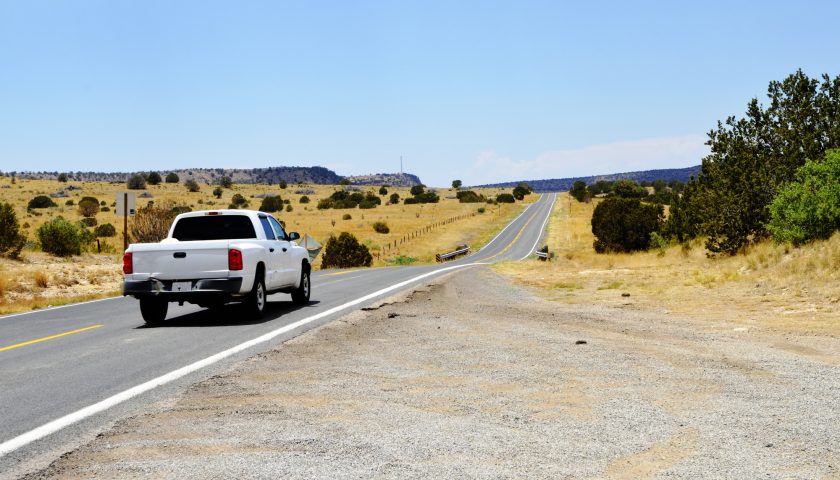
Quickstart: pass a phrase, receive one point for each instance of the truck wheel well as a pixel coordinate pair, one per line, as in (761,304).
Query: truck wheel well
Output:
(260,271)
(306,267)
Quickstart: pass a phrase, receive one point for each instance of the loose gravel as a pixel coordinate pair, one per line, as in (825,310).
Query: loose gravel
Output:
(471,377)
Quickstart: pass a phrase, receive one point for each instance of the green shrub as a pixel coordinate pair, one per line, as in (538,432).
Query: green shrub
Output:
(381,227)
(153,178)
(105,230)
(191,185)
(271,204)
(283,184)
(304,199)
(468,196)
(383,191)
(481,210)
(172,177)
(88,207)
(289,209)
(418,189)
(41,201)
(808,208)
(11,240)
(579,191)
(238,201)
(347,216)
(217,192)
(628,189)
(225,182)
(136,182)
(625,224)
(88,221)
(105,209)
(345,252)
(394,198)
(60,237)
(505,198)
(70,203)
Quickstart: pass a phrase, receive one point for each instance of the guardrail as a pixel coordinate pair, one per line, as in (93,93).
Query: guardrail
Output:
(441,257)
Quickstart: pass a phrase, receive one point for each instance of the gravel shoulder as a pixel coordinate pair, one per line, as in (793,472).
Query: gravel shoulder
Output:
(469,376)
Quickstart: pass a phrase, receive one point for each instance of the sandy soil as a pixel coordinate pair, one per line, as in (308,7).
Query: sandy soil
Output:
(473,377)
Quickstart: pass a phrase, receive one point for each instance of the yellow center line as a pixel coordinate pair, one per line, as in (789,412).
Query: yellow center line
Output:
(338,273)
(39,340)
(514,238)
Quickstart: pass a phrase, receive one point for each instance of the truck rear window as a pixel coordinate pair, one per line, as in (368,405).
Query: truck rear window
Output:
(216,227)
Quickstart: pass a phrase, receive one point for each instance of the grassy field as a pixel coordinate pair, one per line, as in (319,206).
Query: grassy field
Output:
(417,232)
(771,286)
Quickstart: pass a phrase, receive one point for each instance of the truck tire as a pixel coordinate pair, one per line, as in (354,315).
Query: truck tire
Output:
(153,310)
(255,301)
(300,295)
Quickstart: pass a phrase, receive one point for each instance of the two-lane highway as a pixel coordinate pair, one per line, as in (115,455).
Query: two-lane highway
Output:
(67,372)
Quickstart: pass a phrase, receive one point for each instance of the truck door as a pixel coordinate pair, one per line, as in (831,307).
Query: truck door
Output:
(287,272)
(274,259)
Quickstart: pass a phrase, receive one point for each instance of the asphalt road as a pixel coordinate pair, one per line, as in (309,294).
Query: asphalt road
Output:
(108,350)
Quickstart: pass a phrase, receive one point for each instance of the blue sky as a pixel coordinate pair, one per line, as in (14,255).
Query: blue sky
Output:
(481,91)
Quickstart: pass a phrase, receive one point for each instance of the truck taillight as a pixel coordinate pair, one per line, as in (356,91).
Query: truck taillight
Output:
(234,260)
(128,264)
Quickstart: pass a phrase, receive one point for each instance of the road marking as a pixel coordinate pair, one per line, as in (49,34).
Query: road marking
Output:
(508,226)
(44,339)
(79,415)
(514,238)
(50,309)
(542,229)
(338,273)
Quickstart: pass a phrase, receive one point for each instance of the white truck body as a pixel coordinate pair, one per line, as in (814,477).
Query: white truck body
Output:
(214,257)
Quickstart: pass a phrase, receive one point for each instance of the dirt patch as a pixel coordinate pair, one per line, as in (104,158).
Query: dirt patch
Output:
(472,377)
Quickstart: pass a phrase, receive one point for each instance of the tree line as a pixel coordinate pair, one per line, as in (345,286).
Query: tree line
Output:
(774,172)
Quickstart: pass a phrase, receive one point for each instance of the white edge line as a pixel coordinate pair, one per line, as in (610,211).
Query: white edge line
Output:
(50,309)
(507,226)
(79,415)
(542,229)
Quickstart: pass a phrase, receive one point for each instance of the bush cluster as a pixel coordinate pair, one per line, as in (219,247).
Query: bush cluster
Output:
(468,196)
(808,208)
(41,201)
(625,224)
(505,198)
(271,204)
(105,230)
(60,237)
(345,251)
(343,199)
(420,195)
(381,227)
(11,240)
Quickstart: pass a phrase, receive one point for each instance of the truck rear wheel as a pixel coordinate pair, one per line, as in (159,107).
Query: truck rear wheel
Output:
(300,295)
(153,310)
(255,301)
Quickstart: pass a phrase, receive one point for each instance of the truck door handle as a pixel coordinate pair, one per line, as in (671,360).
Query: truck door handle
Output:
(180,254)
(270,249)
(284,249)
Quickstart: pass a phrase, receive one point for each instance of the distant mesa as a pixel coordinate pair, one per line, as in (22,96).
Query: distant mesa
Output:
(392,179)
(564,184)
(269,175)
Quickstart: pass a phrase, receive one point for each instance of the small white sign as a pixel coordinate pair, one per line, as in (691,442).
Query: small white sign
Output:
(121,201)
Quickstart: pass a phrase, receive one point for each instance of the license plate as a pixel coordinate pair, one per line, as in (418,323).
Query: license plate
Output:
(181,286)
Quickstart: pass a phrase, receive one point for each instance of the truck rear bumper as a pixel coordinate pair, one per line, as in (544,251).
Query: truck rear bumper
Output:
(198,288)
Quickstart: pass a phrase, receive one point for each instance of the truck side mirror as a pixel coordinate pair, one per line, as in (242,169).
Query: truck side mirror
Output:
(294,236)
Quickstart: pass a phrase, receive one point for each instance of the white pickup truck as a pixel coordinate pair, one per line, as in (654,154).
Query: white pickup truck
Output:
(214,257)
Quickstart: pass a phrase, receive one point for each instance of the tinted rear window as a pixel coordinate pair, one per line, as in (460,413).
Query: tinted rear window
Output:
(216,227)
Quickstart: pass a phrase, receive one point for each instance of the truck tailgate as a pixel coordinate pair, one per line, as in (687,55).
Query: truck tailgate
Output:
(181,260)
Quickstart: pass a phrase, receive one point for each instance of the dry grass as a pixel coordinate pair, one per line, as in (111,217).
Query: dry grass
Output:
(771,286)
(419,231)
(41,279)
